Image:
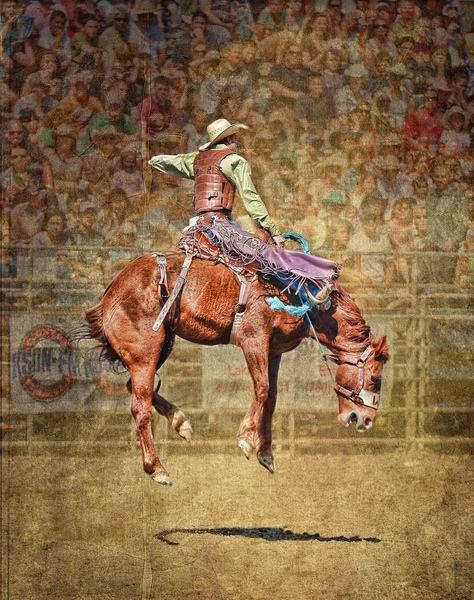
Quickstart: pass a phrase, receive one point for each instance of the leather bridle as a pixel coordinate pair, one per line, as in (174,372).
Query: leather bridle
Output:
(361,396)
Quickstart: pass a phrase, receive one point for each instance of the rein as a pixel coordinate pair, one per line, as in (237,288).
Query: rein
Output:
(361,396)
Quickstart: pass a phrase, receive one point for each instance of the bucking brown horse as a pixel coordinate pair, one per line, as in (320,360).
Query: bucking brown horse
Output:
(204,313)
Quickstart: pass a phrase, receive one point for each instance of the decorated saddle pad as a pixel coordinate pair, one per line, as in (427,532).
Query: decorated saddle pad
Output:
(239,248)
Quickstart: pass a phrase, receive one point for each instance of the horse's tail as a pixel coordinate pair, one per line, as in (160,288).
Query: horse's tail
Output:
(95,330)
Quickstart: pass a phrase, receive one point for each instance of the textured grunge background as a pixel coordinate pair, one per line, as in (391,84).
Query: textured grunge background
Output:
(388,515)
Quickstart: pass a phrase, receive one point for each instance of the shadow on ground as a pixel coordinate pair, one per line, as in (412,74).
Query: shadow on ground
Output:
(269,534)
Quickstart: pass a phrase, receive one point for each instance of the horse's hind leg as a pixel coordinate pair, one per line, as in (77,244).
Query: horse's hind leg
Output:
(142,392)
(174,415)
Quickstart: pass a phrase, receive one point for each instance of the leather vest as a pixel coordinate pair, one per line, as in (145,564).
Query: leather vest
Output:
(212,189)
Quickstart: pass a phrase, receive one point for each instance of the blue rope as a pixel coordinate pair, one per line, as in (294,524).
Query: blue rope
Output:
(297,237)
(297,311)
(315,336)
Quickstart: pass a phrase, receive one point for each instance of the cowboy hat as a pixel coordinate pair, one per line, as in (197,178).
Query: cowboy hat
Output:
(145,7)
(218,130)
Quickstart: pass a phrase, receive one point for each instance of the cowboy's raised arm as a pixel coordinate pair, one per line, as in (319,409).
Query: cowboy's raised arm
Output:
(178,165)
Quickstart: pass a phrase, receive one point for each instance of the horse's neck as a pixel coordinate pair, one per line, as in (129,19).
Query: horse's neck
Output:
(343,331)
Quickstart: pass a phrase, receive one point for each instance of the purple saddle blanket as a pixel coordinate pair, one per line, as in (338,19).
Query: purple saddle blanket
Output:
(292,267)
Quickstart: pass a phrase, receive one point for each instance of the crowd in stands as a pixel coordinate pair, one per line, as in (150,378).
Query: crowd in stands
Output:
(361,117)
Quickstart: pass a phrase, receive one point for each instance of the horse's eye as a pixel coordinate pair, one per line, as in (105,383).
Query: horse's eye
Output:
(377,381)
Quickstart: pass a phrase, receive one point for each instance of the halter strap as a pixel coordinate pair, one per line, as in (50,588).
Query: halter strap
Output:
(360,395)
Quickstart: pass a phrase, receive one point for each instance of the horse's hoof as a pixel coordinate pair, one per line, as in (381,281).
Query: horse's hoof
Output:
(267,462)
(186,431)
(162,478)
(246,448)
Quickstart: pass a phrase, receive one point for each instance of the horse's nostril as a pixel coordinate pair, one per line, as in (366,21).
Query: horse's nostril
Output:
(368,422)
(353,418)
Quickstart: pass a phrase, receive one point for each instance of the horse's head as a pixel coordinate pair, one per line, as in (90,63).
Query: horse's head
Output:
(359,383)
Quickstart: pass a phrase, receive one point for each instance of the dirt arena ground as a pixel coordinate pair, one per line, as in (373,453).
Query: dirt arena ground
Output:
(85,528)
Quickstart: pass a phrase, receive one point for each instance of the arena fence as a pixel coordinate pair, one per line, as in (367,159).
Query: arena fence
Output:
(56,400)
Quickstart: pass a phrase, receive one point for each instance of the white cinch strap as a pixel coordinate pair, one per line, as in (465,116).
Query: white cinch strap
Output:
(180,281)
(242,303)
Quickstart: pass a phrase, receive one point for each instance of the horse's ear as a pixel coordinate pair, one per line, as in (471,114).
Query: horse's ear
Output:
(381,349)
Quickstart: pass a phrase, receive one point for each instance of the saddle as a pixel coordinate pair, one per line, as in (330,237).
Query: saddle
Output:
(197,239)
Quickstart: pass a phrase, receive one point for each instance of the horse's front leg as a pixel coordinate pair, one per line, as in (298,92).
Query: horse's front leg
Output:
(264,452)
(254,429)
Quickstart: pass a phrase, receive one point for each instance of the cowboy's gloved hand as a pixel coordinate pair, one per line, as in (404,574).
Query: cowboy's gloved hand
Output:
(279,240)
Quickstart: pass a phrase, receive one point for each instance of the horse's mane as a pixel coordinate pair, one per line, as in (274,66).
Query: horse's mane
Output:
(358,331)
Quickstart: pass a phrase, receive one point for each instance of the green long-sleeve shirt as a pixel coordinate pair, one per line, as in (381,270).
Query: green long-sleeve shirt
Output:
(234,167)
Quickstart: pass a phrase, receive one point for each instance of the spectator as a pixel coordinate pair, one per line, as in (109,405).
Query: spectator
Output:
(55,37)
(114,117)
(41,11)
(99,164)
(114,41)
(53,232)
(222,18)
(373,264)
(27,216)
(447,213)
(403,235)
(147,36)
(86,232)
(328,175)
(229,79)
(77,108)
(271,18)
(128,177)
(424,126)
(16,135)
(337,237)
(401,102)
(65,163)
(379,43)
(16,178)
(406,22)
(334,207)
(87,10)
(348,97)
(16,51)
(39,100)
(459,83)
(315,43)
(181,54)
(333,78)
(115,213)
(195,130)
(202,62)
(155,113)
(315,109)
(392,184)
(86,53)
(287,81)
(48,72)
(335,17)
(455,140)
(295,19)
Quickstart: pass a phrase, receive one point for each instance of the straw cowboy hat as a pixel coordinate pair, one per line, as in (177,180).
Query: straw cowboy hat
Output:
(220,129)
(145,7)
